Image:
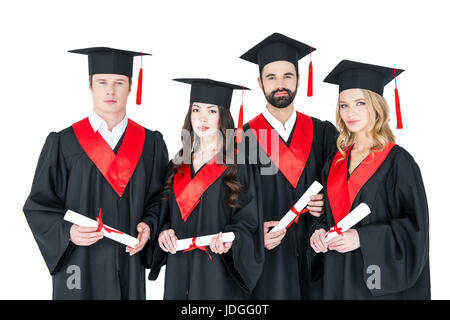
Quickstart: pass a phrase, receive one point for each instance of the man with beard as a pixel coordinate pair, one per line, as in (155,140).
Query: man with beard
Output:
(290,149)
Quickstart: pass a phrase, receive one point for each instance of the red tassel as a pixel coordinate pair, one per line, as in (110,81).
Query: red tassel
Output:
(240,120)
(310,78)
(398,111)
(240,125)
(139,89)
(397,105)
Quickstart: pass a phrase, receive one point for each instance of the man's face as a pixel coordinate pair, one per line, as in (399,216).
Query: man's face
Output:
(110,92)
(279,82)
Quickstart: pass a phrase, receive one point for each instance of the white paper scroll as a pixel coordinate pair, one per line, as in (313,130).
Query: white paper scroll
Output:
(355,216)
(84,221)
(301,203)
(183,244)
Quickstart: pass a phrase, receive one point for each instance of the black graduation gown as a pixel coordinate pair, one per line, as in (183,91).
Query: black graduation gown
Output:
(192,275)
(393,237)
(287,274)
(66,178)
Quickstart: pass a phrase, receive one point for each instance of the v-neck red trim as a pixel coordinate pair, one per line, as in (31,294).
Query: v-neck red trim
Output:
(342,191)
(188,191)
(117,169)
(290,160)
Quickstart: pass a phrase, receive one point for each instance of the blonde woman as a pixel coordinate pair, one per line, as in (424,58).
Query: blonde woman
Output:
(385,255)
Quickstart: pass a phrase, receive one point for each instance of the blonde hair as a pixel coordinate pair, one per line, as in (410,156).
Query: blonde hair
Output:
(378,130)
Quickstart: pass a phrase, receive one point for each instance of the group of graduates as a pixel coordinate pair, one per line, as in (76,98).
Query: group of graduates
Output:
(242,183)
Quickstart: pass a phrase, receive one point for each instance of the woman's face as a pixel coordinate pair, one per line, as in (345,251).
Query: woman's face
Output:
(205,119)
(354,110)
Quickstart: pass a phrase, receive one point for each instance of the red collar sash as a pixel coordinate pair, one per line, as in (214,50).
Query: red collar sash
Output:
(291,161)
(342,192)
(189,191)
(117,169)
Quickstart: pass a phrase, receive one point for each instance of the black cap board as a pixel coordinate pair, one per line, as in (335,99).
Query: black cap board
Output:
(211,91)
(350,74)
(109,60)
(277,47)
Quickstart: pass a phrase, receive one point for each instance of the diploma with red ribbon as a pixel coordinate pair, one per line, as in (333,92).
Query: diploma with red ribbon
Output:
(184,244)
(194,246)
(109,232)
(355,216)
(295,212)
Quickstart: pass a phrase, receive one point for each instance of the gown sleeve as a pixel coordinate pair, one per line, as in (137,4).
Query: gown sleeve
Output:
(399,246)
(330,136)
(315,260)
(327,138)
(321,222)
(245,259)
(45,206)
(159,256)
(154,194)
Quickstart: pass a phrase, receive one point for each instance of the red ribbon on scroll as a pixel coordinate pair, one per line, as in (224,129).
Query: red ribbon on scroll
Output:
(101,226)
(298,215)
(194,246)
(337,230)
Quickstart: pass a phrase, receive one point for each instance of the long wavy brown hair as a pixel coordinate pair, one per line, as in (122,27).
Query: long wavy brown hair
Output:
(378,130)
(230,178)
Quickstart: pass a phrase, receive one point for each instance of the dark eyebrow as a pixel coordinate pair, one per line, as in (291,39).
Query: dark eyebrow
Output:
(208,107)
(107,80)
(269,75)
(288,74)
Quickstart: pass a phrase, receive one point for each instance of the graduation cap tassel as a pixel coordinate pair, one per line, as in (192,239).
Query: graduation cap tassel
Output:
(397,105)
(139,88)
(240,120)
(310,76)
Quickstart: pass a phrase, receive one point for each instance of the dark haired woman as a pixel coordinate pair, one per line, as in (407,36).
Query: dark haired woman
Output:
(208,193)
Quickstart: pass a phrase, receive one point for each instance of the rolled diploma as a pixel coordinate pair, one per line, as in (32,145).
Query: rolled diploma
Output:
(84,221)
(355,216)
(183,244)
(301,203)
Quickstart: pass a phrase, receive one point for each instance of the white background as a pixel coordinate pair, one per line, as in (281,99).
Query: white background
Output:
(44,88)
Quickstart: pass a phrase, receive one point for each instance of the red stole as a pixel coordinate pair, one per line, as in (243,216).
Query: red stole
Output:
(117,169)
(189,191)
(342,192)
(291,161)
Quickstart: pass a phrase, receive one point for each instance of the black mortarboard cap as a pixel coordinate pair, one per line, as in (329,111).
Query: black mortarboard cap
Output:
(277,47)
(109,60)
(350,74)
(356,75)
(211,91)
